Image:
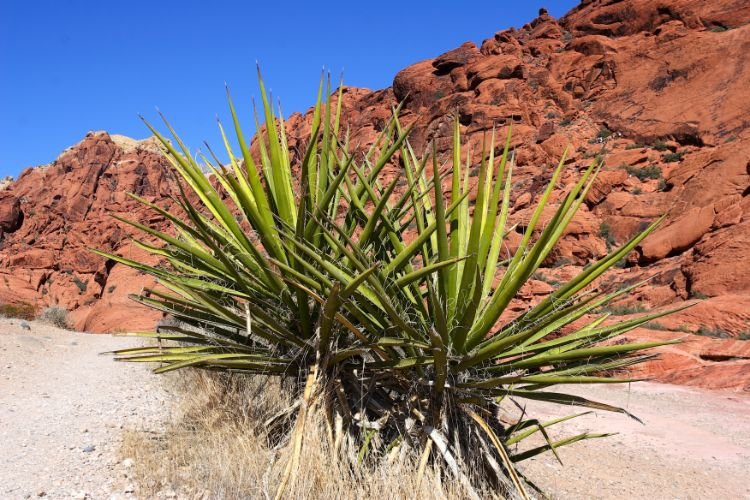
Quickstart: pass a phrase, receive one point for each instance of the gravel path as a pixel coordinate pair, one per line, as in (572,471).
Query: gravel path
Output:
(62,410)
(694,444)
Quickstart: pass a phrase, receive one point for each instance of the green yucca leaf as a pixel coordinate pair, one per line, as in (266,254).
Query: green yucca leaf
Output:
(588,275)
(263,207)
(558,444)
(562,399)
(330,308)
(454,243)
(404,363)
(543,379)
(376,214)
(403,257)
(493,255)
(423,272)
(494,185)
(544,359)
(518,271)
(280,173)
(472,251)
(529,427)
(442,236)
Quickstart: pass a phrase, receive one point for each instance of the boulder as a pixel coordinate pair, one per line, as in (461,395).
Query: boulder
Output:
(10,213)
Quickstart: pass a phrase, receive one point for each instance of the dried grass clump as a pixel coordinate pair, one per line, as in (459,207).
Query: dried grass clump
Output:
(216,446)
(55,316)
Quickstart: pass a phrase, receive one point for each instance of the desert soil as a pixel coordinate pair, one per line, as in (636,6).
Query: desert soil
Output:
(693,444)
(64,408)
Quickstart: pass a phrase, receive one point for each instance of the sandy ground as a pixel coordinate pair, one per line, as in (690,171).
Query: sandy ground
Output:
(692,444)
(63,409)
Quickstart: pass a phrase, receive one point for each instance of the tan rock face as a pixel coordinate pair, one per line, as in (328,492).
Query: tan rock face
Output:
(658,91)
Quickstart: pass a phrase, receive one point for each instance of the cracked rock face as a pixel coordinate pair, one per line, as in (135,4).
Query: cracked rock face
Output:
(658,91)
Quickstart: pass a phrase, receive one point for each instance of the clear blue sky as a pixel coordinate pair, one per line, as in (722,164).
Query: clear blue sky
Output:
(67,67)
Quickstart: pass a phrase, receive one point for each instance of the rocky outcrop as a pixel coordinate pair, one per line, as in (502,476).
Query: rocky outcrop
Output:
(656,89)
(52,215)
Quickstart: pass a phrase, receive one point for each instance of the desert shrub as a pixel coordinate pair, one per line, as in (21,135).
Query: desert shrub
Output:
(744,335)
(663,185)
(565,122)
(673,157)
(713,332)
(637,145)
(604,133)
(55,316)
(654,325)
(644,173)
(20,310)
(597,156)
(637,190)
(660,146)
(80,284)
(561,261)
(694,294)
(546,279)
(621,264)
(393,346)
(605,231)
(626,309)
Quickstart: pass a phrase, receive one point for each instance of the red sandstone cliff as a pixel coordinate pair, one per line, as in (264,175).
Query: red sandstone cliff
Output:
(658,88)
(53,214)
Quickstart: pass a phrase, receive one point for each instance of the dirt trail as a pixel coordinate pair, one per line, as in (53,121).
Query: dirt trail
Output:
(63,409)
(692,444)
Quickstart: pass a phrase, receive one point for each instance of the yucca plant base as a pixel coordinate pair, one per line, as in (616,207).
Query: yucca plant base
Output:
(396,341)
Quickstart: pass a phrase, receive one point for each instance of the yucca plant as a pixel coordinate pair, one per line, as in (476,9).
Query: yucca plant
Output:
(381,305)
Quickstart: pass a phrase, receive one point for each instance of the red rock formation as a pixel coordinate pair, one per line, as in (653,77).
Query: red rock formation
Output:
(63,210)
(658,89)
